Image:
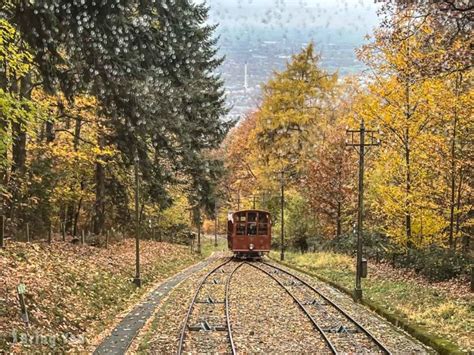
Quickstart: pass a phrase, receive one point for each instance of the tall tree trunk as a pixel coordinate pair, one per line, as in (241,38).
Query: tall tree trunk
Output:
(18,166)
(338,220)
(408,116)
(76,218)
(49,130)
(466,237)
(408,219)
(77,133)
(19,148)
(99,189)
(75,213)
(3,128)
(452,201)
(19,131)
(453,165)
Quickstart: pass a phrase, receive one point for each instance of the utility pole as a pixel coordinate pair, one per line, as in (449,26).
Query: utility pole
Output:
(238,201)
(254,200)
(282,254)
(359,143)
(137,281)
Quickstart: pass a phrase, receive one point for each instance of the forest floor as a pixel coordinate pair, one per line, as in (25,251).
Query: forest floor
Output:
(444,309)
(75,293)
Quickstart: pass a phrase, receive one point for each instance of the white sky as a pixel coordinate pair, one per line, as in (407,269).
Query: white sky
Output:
(355,15)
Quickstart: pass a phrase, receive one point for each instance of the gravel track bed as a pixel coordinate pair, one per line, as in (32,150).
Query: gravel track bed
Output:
(216,340)
(346,338)
(394,339)
(162,335)
(265,319)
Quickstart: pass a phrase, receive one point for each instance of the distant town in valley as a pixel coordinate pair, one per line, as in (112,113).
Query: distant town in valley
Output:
(263,35)
(243,85)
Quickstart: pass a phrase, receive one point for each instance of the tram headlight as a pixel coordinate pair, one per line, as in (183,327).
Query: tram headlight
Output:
(251,246)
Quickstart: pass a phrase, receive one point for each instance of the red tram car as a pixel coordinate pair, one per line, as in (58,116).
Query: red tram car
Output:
(249,233)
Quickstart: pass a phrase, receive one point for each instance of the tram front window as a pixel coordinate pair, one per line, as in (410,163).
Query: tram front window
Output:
(252,216)
(240,229)
(252,229)
(263,229)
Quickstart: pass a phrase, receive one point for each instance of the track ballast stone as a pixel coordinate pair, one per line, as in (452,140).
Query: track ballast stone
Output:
(263,318)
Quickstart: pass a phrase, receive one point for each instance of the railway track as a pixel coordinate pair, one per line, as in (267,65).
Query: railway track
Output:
(207,322)
(341,332)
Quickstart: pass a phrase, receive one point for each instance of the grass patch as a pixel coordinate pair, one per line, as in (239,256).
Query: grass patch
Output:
(434,311)
(208,247)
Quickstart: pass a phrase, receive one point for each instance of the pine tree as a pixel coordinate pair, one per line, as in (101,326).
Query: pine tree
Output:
(150,65)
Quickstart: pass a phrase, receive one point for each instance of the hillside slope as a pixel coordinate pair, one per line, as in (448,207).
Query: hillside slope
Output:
(74,292)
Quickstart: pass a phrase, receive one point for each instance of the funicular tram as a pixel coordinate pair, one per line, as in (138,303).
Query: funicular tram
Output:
(249,233)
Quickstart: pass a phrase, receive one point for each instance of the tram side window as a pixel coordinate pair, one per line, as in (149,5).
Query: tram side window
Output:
(240,229)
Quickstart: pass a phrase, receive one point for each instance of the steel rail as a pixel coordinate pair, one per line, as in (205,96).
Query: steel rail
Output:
(367,332)
(316,325)
(193,302)
(227,315)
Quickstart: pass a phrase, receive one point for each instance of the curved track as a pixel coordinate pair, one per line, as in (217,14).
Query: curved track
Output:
(204,326)
(340,331)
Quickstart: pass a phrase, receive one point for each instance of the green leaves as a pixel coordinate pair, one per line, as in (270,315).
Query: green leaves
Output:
(14,58)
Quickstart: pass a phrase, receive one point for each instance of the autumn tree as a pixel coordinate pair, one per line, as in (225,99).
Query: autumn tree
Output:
(295,106)
(328,180)
(451,23)
(414,107)
(239,149)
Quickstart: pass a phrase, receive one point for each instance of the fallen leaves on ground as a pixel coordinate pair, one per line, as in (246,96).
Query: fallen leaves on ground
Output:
(74,292)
